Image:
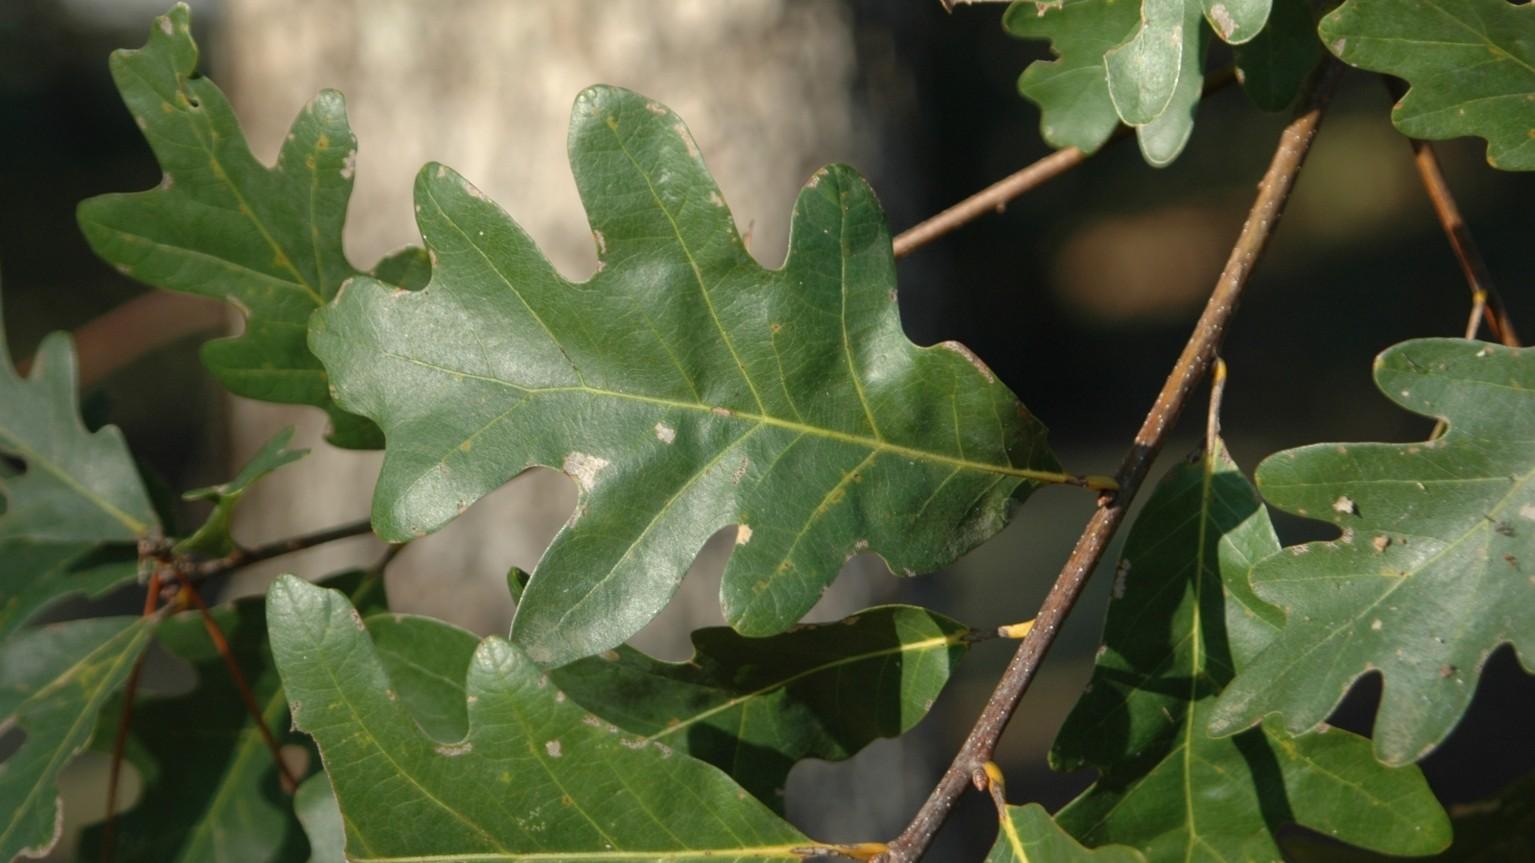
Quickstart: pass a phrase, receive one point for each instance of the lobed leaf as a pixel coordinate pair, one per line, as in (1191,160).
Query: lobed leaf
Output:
(534,778)
(1433,569)
(223,225)
(1182,623)
(684,388)
(1029,835)
(53,682)
(212,539)
(1470,64)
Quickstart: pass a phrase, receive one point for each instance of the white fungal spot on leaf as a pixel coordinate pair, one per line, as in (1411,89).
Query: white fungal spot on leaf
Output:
(602,244)
(1221,18)
(665,433)
(165,26)
(970,358)
(1345,505)
(453,750)
(743,534)
(687,140)
(1527,512)
(655,108)
(553,748)
(1376,625)
(584,468)
(349,165)
(1121,574)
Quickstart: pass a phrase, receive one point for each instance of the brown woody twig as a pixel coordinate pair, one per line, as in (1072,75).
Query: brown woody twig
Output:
(242,557)
(1192,364)
(124,723)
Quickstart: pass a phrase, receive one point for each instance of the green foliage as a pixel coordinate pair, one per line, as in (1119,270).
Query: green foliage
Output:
(211,789)
(1274,65)
(1182,624)
(535,773)
(1072,91)
(222,225)
(213,539)
(1431,573)
(53,682)
(684,387)
(1029,835)
(1470,64)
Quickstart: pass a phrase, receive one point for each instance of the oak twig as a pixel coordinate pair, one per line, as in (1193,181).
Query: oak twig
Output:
(1486,303)
(1192,364)
(124,723)
(221,644)
(996,197)
(241,557)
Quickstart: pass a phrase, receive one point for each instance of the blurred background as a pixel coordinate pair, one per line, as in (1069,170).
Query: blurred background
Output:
(1079,295)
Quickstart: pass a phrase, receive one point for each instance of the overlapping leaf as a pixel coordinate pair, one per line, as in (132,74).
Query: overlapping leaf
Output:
(1027,834)
(221,224)
(1274,65)
(212,538)
(1436,565)
(750,706)
(211,789)
(53,683)
(76,494)
(535,778)
(684,387)
(1183,622)
(1470,64)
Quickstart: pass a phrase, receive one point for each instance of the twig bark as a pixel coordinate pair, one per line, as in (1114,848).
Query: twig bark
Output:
(1192,364)
(124,724)
(996,197)
(242,557)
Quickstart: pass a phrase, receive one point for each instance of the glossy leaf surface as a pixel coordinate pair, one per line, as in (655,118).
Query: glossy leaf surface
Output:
(1182,623)
(684,388)
(1435,567)
(1030,835)
(53,683)
(212,539)
(1470,65)
(536,777)
(223,225)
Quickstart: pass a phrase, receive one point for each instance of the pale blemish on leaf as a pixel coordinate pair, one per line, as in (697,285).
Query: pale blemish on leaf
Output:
(687,140)
(165,26)
(1345,505)
(665,433)
(743,534)
(349,165)
(583,468)
(553,748)
(970,358)
(1527,512)
(453,750)
(1225,25)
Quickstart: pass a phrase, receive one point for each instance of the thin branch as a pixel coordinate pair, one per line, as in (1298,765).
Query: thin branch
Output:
(996,197)
(242,557)
(1486,303)
(221,644)
(124,723)
(128,331)
(1191,366)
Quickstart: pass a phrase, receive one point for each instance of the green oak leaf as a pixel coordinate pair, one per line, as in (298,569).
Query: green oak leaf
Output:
(1273,67)
(1112,65)
(1436,565)
(223,225)
(70,512)
(1183,622)
(1072,91)
(211,791)
(1470,65)
(684,387)
(536,777)
(212,539)
(1029,835)
(53,682)
(76,485)
(35,575)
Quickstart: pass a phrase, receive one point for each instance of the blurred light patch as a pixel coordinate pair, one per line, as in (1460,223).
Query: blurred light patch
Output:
(1149,267)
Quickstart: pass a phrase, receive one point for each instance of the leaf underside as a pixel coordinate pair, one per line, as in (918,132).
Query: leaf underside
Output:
(213,539)
(1435,568)
(536,777)
(684,387)
(1470,65)
(1182,623)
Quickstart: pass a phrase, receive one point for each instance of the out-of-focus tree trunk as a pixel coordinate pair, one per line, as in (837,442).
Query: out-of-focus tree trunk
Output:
(486,87)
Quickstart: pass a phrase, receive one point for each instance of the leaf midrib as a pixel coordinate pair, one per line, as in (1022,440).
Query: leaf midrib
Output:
(936,642)
(761,419)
